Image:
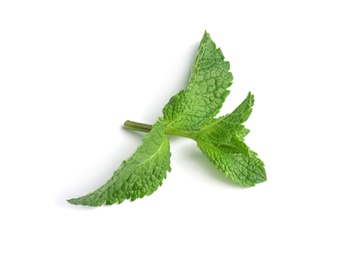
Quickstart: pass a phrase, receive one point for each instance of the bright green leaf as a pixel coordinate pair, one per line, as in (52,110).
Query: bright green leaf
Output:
(222,129)
(244,169)
(222,141)
(192,108)
(140,175)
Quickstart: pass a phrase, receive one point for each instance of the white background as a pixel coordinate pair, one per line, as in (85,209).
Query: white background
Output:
(71,72)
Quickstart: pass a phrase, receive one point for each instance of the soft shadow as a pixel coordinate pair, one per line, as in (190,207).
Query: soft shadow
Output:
(180,74)
(183,79)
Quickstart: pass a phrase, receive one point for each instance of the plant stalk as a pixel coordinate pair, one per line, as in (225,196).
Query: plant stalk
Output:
(131,125)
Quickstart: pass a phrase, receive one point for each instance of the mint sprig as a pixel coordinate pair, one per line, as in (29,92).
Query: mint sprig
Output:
(189,114)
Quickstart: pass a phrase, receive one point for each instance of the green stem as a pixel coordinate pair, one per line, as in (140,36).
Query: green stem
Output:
(178,132)
(137,126)
(168,130)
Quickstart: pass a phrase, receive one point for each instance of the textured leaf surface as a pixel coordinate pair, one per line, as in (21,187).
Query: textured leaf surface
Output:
(222,141)
(192,108)
(222,129)
(237,162)
(140,175)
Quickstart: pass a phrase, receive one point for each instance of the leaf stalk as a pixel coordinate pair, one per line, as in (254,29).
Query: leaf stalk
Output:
(141,127)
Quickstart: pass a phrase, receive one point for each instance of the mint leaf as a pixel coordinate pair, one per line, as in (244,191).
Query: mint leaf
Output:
(140,175)
(222,129)
(238,163)
(222,141)
(192,108)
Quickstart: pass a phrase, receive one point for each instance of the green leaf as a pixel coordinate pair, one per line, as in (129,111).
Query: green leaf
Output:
(222,129)
(222,141)
(140,175)
(237,162)
(241,135)
(194,107)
